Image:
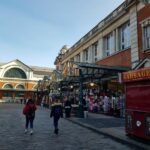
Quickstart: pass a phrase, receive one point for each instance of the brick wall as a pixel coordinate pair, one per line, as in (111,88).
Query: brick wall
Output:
(122,58)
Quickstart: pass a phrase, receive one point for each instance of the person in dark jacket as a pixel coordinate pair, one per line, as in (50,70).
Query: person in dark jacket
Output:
(29,112)
(56,113)
(67,106)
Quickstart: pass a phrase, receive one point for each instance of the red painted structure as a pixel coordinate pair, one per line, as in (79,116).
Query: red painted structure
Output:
(137,87)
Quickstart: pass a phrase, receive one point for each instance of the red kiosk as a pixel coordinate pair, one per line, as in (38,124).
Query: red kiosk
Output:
(137,88)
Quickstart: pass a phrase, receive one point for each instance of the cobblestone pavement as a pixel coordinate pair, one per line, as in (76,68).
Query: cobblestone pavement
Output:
(71,136)
(104,122)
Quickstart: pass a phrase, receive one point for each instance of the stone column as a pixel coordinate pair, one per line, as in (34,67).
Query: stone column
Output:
(134,37)
(100,51)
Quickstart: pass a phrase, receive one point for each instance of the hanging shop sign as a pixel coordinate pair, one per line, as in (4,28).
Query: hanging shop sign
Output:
(140,74)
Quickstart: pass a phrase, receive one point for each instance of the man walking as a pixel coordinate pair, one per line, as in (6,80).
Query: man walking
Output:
(56,113)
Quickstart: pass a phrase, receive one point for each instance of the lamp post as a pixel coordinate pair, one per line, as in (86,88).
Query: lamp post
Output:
(46,87)
(81,114)
(38,87)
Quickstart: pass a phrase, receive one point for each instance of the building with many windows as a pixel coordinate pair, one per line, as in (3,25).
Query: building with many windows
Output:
(121,39)
(19,81)
(118,43)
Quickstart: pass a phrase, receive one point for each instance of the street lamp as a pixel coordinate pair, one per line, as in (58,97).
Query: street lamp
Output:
(81,114)
(46,88)
(38,87)
(91,84)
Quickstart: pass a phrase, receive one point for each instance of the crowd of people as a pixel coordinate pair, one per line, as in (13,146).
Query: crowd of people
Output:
(109,104)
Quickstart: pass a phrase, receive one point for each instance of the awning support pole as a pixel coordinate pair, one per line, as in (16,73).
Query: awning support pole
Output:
(81,114)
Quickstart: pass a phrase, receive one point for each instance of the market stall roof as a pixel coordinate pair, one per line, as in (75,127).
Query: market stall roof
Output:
(91,71)
(102,67)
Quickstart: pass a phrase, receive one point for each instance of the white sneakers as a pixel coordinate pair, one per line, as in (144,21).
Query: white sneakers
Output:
(26,130)
(31,132)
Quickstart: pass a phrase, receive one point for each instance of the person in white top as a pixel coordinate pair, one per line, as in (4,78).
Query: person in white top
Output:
(105,104)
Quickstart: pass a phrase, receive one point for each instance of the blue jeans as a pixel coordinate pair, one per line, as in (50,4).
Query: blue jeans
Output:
(29,120)
(56,122)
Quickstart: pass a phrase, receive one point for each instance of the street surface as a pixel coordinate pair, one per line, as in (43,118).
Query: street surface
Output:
(71,136)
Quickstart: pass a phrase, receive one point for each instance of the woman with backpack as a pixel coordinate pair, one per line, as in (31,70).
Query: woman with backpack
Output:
(29,112)
(56,113)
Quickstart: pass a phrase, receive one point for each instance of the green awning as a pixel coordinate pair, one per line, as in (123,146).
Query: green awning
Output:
(101,67)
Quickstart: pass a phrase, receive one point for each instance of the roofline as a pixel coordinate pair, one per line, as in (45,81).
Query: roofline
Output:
(97,66)
(20,62)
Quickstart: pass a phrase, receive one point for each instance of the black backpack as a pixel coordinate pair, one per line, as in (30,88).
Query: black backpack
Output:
(57,111)
(31,112)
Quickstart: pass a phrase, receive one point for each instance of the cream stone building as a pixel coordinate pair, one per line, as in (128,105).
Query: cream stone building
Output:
(19,81)
(118,43)
(120,39)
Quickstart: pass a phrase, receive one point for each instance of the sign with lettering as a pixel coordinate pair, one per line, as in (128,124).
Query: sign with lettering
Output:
(140,74)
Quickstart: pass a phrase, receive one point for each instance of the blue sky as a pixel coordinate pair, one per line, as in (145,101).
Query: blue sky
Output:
(34,31)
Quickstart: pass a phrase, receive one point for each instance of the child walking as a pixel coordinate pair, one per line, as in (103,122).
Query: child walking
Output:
(29,112)
(56,113)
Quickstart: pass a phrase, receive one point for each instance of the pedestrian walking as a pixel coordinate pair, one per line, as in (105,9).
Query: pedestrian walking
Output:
(29,112)
(67,106)
(21,100)
(85,107)
(56,113)
(106,104)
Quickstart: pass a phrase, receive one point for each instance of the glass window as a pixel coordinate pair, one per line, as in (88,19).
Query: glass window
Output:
(15,73)
(19,94)
(20,87)
(108,44)
(124,36)
(72,59)
(146,38)
(85,55)
(94,51)
(8,86)
(78,58)
(7,94)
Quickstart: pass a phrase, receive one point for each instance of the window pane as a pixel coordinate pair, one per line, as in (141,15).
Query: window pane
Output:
(108,44)
(8,86)
(125,37)
(15,73)
(147,37)
(20,87)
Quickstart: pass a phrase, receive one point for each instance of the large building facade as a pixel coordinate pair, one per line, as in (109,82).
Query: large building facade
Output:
(19,81)
(120,39)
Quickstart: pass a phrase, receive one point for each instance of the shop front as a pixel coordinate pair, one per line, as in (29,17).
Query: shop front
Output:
(12,95)
(137,92)
(98,85)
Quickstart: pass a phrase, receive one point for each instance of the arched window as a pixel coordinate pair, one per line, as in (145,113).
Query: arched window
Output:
(20,87)
(8,86)
(15,73)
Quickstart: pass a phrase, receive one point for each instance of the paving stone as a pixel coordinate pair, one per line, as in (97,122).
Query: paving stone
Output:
(71,136)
